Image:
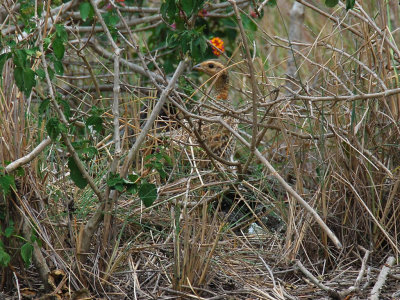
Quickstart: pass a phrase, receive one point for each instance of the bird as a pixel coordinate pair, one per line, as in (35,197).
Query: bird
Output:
(217,137)
(217,69)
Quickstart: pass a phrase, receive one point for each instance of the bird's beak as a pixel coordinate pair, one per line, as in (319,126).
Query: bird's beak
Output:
(197,67)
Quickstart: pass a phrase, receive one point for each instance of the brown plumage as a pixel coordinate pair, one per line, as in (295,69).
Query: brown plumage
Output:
(217,137)
(218,70)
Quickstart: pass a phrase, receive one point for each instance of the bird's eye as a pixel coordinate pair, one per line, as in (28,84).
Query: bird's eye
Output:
(211,66)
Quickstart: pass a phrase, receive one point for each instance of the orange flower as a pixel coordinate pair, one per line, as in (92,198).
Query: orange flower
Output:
(218,46)
(203,13)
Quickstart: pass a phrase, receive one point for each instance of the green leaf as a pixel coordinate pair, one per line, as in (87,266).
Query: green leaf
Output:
(90,152)
(19,77)
(9,230)
(61,32)
(54,127)
(20,171)
(80,144)
(46,43)
(66,107)
(131,188)
(4,258)
(32,51)
(20,58)
(26,253)
(248,23)
(187,7)
(95,119)
(331,3)
(148,193)
(58,67)
(115,182)
(111,19)
(3,58)
(197,5)
(84,9)
(58,48)
(40,72)
(24,79)
(350,4)
(271,3)
(133,177)
(168,10)
(44,105)
(76,174)
(34,238)
(6,183)
(168,159)
(29,80)
(51,73)
(131,183)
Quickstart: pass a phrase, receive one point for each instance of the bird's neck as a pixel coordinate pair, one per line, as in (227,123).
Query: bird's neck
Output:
(222,86)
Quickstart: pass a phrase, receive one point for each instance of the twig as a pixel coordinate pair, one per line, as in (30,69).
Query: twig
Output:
(348,98)
(116,135)
(153,116)
(29,157)
(17,284)
(254,86)
(314,280)
(376,290)
(134,22)
(356,287)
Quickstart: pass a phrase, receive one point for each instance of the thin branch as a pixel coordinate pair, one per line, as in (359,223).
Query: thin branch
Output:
(149,123)
(29,157)
(376,290)
(255,92)
(314,280)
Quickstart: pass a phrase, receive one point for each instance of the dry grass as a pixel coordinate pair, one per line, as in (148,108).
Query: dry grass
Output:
(341,156)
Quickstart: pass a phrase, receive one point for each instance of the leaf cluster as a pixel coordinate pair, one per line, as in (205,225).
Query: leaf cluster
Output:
(147,192)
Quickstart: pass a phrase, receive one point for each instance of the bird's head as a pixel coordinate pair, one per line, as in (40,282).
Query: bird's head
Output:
(215,68)
(210,67)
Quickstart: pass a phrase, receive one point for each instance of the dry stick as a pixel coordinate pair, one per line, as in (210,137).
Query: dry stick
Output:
(254,87)
(17,284)
(134,22)
(348,98)
(153,116)
(310,276)
(29,157)
(376,290)
(295,34)
(356,286)
(287,187)
(85,238)
(116,136)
